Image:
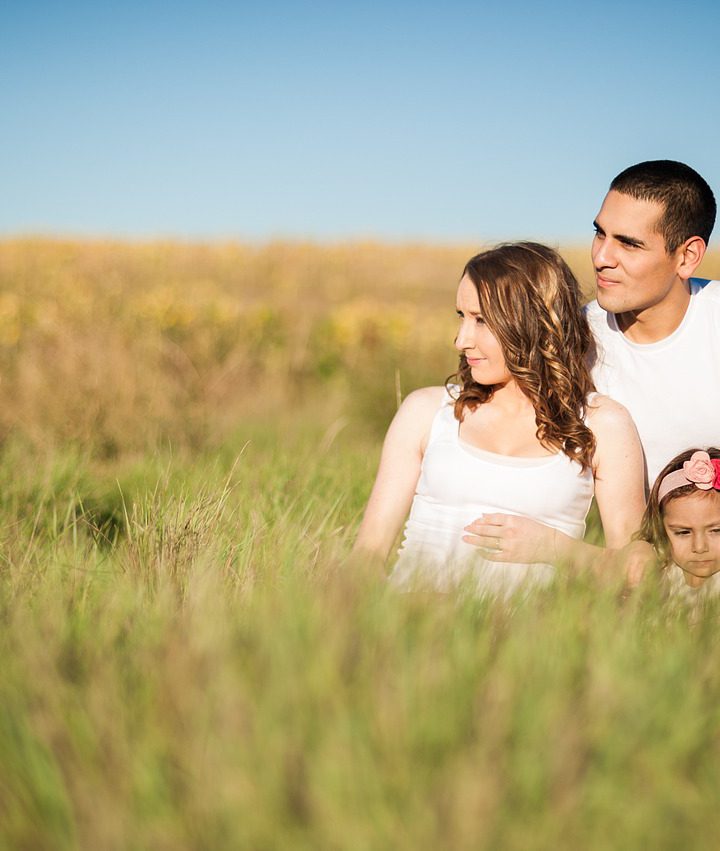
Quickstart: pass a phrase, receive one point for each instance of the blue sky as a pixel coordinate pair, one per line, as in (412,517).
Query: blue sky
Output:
(325,120)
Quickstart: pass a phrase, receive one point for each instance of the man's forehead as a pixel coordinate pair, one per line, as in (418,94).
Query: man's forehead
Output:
(622,214)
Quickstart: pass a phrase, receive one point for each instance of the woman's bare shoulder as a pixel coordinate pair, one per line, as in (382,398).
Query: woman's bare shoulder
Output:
(424,399)
(604,413)
(415,415)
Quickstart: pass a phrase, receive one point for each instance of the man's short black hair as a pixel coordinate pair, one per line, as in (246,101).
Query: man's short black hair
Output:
(687,200)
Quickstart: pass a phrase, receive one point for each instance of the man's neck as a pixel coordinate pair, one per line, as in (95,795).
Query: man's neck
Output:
(655,323)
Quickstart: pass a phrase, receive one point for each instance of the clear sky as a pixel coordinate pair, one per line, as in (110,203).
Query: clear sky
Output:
(330,120)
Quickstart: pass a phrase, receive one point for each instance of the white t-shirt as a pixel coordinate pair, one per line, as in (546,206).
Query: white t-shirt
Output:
(671,387)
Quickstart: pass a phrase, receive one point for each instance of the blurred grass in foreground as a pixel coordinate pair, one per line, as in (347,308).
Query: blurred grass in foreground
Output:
(189,434)
(213,675)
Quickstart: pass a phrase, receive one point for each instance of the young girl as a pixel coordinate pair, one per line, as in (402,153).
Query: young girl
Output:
(499,467)
(682,522)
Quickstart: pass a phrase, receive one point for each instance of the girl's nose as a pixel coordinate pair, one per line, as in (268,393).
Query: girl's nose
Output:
(699,542)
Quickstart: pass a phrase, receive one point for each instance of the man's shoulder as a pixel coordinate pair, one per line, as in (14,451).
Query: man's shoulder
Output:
(708,291)
(593,309)
(601,322)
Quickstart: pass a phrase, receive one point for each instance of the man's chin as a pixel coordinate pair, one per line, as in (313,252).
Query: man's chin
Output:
(607,302)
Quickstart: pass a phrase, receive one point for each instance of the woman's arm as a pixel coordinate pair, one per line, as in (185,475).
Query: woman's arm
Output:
(398,472)
(619,471)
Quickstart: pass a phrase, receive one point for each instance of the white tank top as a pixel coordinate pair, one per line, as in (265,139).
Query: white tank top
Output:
(458,483)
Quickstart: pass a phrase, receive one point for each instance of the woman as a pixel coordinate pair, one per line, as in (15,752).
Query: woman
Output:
(499,467)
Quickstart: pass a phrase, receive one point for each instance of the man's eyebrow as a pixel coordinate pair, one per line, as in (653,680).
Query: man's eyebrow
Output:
(621,237)
(630,240)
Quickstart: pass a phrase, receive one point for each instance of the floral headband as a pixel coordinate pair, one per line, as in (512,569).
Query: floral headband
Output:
(701,470)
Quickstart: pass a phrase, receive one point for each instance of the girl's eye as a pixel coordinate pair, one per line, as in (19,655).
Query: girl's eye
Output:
(479,320)
(678,533)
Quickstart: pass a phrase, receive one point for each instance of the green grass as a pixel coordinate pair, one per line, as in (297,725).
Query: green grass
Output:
(189,661)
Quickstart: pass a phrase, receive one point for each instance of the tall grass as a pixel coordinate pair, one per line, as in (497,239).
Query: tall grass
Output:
(190,661)
(215,674)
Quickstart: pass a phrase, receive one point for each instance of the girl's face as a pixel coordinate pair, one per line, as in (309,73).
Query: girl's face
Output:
(692,524)
(476,341)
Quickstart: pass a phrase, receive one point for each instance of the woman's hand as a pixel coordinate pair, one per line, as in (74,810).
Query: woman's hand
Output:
(636,559)
(510,538)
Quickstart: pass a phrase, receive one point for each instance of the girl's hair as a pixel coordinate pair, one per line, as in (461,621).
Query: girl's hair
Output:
(530,300)
(652,528)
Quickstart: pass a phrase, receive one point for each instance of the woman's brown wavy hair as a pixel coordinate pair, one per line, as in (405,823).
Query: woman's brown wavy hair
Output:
(530,300)
(652,528)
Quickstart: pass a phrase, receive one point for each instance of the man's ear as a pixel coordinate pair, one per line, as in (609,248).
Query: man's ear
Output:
(690,254)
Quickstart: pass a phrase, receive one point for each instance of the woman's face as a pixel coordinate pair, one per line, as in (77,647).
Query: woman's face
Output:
(692,524)
(476,341)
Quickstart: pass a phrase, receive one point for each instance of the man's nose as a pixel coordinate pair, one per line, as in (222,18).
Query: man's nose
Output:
(603,253)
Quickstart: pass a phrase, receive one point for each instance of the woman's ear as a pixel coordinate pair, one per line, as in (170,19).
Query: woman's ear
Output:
(690,254)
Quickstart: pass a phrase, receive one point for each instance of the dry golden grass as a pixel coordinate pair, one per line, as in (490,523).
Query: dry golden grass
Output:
(121,346)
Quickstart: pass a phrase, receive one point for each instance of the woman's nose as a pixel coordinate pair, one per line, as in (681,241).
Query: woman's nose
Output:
(462,341)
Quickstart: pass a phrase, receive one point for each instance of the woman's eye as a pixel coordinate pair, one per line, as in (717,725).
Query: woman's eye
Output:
(479,320)
(680,533)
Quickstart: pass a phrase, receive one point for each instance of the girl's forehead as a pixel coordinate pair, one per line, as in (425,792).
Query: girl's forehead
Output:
(699,508)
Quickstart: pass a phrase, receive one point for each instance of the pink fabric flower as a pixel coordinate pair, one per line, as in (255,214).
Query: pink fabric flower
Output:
(701,471)
(716,465)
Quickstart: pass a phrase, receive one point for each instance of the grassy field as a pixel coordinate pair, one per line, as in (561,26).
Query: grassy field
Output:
(189,661)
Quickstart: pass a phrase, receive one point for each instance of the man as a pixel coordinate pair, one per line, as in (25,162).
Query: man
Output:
(657,331)
(657,327)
